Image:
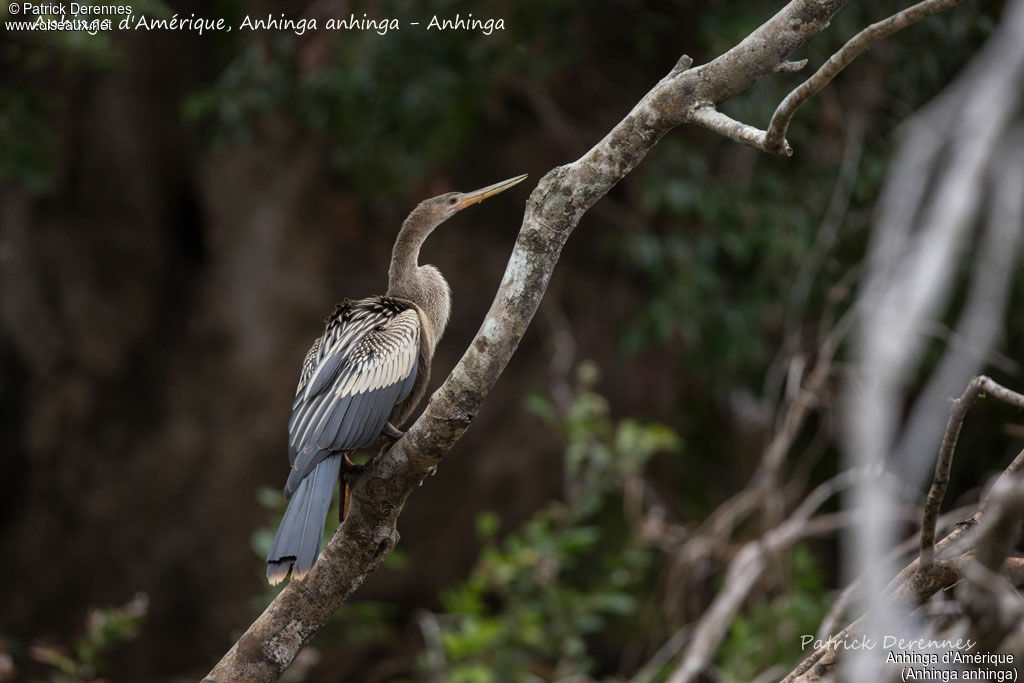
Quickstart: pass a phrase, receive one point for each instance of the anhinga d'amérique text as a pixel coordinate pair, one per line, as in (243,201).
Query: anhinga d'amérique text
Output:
(364,375)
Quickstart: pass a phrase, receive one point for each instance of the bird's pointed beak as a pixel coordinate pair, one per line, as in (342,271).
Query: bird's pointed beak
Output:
(477,196)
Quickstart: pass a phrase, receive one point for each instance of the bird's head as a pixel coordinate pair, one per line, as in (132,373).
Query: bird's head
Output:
(443,207)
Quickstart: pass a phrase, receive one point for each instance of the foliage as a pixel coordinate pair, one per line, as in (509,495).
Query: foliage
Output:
(573,570)
(105,629)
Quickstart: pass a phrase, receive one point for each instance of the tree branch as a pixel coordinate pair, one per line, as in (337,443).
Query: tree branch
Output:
(954,554)
(553,210)
(773,139)
(976,389)
(726,126)
(747,568)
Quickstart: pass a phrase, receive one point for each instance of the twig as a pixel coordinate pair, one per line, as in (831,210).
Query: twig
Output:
(747,567)
(828,232)
(762,491)
(992,606)
(744,571)
(940,576)
(978,387)
(971,346)
(775,136)
(845,598)
(952,554)
(773,139)
(663,656)
(998,532)
(915,247)
(563,355)
(436,662)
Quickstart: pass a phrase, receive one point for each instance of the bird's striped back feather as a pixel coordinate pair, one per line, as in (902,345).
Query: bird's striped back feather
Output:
(353,377)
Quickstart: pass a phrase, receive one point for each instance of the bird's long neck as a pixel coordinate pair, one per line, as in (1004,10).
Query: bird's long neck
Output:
(405,255)
(423,285)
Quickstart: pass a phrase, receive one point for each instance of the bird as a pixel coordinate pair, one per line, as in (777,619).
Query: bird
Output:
(363,376)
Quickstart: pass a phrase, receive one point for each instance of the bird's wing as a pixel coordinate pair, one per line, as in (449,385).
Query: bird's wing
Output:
(353,377)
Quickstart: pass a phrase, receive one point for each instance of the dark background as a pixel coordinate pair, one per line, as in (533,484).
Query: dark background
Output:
(178,213)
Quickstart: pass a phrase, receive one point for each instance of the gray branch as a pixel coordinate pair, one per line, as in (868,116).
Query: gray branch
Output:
(746,569)
(977,388)
(992,606)
(554,209)
(773,139)
(775,136)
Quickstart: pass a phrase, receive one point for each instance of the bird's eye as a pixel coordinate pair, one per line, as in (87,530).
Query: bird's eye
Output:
(452,200)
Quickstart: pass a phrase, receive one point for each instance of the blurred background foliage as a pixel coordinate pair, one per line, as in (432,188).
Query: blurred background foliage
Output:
(574,570)
(178,213)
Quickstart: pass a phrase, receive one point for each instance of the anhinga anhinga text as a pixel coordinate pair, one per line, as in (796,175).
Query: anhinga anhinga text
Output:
(365,374)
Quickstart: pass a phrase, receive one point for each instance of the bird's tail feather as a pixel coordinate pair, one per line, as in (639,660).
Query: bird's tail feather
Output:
(297,542)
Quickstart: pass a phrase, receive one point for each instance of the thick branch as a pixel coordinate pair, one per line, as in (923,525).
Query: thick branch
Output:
(554,209)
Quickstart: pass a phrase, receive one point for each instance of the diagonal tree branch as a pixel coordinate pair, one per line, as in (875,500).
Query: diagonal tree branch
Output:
(552,212)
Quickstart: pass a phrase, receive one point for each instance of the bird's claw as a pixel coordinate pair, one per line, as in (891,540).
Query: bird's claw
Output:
(349,467)
(431,472)
(392,432)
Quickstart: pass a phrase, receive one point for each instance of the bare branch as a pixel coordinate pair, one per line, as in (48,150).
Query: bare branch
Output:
(993,607)
(978,387)
(726,126)
(845,599)
(775,136)
(998,532)
(916,244)
(747,568)
(915,583)
(972,345)
(773,139)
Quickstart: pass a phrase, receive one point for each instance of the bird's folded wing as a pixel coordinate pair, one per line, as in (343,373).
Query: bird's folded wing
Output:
(364,366)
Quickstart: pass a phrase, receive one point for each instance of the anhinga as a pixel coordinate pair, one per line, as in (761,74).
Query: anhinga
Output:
(365,374)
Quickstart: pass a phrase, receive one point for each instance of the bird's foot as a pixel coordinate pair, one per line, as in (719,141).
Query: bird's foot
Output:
(350,468)
(392,432)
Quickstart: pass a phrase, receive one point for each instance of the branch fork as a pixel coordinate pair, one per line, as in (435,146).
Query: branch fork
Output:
(773,139)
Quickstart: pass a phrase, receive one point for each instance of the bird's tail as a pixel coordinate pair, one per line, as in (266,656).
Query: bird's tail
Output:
(297,542)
